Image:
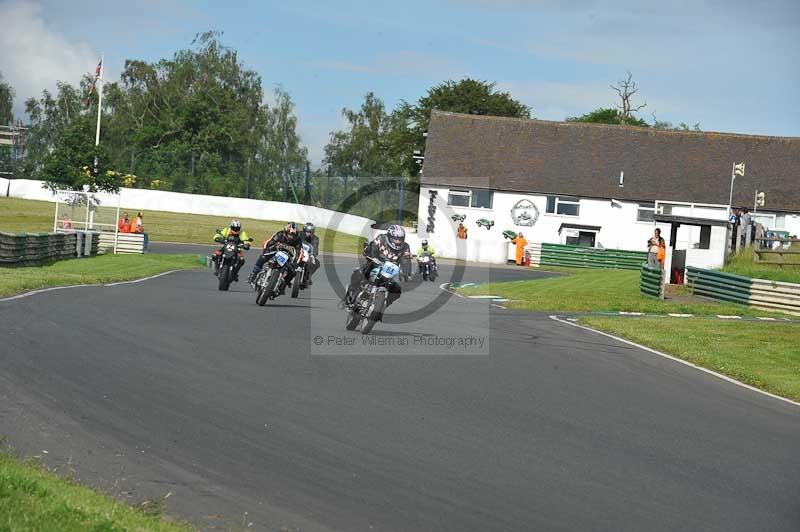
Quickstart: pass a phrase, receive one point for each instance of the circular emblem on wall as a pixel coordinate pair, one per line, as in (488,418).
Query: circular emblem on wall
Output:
(524,213)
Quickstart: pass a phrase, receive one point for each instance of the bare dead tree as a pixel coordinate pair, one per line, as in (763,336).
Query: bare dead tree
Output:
(626,88)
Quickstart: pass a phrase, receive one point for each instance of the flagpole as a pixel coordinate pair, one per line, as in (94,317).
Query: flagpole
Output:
(100,99)
(730,200)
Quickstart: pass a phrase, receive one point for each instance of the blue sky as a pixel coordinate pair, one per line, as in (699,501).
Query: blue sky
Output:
(729,65)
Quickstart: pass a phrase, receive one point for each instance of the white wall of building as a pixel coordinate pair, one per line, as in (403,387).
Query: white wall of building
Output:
(617,221)
(619,228)
(159,200)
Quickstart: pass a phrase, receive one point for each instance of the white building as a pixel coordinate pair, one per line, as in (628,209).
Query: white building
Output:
(593,185)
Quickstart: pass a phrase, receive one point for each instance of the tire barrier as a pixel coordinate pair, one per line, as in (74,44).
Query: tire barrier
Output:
(759,293)
(31,249)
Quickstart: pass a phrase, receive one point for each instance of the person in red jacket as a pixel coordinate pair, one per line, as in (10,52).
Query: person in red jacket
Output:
(125,223)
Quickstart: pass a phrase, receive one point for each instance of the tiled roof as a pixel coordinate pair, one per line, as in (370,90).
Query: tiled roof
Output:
(578,159)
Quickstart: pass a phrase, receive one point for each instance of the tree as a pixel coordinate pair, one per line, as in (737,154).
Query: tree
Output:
(6,102)
(365,150)
(604,115)
(198,123)
(71,164)
(467,96)
(682,126)
(48,118)
(626,88)
(279,154)
(623,114)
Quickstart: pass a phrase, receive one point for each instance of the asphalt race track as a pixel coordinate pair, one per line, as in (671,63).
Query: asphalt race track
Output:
(169,386)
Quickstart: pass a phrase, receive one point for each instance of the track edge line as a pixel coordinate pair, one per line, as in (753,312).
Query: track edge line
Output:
(679,360)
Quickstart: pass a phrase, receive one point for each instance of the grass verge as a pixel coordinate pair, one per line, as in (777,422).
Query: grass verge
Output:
(28,216)
(744,263)
(584,290)
(762,354)
(93,270)
(34,499)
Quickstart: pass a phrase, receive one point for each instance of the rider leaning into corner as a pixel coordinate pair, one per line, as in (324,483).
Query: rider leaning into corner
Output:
(235,229)
(386,247)
(309,237)
(288,239)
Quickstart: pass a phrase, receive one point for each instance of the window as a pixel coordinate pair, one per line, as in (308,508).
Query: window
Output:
(478,199)
(563,205)
(458,198)
(482,199)
(645,212)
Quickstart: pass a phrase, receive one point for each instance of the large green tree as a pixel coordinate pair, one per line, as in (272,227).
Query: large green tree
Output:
(467,96)
(380,143)
(365,150)
(48,117)
(76,162)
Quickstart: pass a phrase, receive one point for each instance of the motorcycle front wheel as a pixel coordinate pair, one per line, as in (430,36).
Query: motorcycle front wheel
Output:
(378,304)
(296,282)
(224,277)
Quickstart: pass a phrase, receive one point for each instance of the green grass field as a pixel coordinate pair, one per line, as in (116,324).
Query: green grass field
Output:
(584,290)
(93,270)
(744,264)
(32,499)
(762,354)
(27,216)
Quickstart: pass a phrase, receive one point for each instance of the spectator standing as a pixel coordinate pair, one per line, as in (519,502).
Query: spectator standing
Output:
(124,223)
(138,228)
(746,222)
(66,222)
(520,242)
(462,231)
(656,250)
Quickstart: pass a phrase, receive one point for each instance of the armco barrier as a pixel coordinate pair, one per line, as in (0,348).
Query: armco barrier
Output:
(651,282)
(29,249)
(585,257)
(759,293)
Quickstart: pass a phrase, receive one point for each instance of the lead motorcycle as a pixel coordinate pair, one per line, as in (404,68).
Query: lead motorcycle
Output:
(300,281)
(370,302)
(271,280)
(228,260)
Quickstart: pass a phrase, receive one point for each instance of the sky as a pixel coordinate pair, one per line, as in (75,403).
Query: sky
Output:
(730,65)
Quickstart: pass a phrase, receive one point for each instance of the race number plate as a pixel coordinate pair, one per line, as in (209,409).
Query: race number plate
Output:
(281,257)
(389,270)
(307,248)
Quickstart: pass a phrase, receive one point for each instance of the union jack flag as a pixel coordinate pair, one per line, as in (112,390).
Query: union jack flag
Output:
(93,85)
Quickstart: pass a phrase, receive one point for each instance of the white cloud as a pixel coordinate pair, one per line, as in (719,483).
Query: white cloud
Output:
(35,56)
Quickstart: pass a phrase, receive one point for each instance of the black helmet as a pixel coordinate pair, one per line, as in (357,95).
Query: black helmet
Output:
(290,229)
(309,229)
(236,226)
(424,243)
(396,237)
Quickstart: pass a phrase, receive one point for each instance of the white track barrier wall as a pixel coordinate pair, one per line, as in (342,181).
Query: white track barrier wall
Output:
(159,200)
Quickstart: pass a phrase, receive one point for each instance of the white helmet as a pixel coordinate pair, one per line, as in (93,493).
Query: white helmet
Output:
(236,225)
(396,237)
